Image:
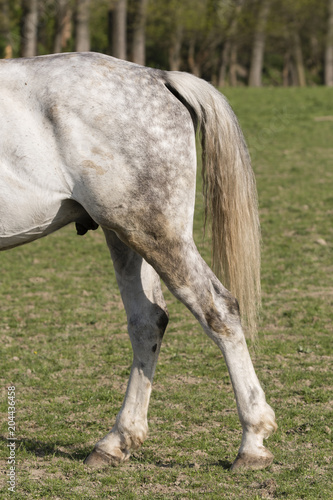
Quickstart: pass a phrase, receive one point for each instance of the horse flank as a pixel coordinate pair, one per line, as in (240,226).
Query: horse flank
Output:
(230,193)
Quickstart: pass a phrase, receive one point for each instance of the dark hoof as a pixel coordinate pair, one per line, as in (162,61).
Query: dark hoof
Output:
(245,461)
(99,458)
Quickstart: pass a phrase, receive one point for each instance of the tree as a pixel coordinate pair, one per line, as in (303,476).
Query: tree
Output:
(5,45)
(202,37)
(232,12)
(175,48)
(117,29)
(329,47)
(62,25)
(258,47)
(296,19)
(219,40)
(166,32)
(139,32)
(82,26)
(298,57)
(29,28)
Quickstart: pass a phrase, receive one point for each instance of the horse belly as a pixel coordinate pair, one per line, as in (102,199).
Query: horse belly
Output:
(32,188)
(25,217)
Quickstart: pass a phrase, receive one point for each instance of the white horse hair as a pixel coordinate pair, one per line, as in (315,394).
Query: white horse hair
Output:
(90,139)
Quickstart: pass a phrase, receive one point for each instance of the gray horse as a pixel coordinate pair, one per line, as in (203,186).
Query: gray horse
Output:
(90,139)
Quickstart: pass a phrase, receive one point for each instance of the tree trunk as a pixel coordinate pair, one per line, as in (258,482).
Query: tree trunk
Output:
(224,65)
(117,29)
(329,47)
(82,28)
(5,47)
(286,69)
(63,26)
(229,53)
(139,33)
(194,67)
(29,28)
(233,64)
(175,49)
(258,48)
(298,55)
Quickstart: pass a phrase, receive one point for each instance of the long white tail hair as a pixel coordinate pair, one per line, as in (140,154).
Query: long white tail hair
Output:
(229,190)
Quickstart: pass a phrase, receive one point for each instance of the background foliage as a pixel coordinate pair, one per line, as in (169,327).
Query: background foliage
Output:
(208,34)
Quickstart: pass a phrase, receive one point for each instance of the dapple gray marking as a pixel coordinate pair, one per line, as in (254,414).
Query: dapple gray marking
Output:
(90,139)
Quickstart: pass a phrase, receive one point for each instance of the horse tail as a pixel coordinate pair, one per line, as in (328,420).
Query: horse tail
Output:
(229,190)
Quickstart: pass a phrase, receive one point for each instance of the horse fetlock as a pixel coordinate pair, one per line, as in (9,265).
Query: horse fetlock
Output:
(255,430)
(132,439)
(266,425)
(129,435)
(252,454)
(269,424)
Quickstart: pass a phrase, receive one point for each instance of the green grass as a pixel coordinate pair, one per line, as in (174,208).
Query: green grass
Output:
(64,343)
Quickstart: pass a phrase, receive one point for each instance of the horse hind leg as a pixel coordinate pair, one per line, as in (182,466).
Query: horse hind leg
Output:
(189,278)
(147,319)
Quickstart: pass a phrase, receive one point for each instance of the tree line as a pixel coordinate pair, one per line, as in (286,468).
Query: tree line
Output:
(229,42)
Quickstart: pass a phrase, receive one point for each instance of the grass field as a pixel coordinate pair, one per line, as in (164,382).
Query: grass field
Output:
(65,348)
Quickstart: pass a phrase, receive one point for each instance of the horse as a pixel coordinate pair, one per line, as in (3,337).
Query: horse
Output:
(96,141)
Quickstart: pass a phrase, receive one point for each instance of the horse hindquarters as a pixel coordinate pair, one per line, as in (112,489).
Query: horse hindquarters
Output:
(154,218)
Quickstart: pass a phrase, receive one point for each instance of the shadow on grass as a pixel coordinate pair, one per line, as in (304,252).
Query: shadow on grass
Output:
(41,449)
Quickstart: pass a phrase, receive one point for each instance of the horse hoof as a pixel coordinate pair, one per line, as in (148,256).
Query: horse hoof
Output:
(246,461)
(99,458)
